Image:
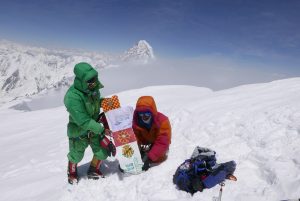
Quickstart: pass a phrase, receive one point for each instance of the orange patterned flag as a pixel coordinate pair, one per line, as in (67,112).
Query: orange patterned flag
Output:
(110,103)
(124,137)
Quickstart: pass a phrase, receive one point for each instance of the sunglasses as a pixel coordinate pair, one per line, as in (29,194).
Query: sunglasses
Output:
(92,83)
(92,80)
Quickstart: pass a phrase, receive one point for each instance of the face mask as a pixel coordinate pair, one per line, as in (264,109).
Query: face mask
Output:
(145,119)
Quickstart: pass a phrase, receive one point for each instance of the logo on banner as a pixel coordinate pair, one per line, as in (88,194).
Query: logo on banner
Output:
(127,151)
(123,137)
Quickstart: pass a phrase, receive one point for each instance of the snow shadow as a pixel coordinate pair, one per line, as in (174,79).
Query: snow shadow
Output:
(107,168)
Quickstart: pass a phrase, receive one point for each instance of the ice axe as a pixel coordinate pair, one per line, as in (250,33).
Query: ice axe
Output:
(219,198)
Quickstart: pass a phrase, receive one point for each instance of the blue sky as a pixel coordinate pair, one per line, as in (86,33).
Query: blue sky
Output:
(248,30)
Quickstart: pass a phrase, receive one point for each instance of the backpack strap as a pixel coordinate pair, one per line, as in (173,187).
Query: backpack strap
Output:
(199,166)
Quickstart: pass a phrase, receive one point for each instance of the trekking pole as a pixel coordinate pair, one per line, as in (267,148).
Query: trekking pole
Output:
(221,190)
(229,177)
(219,198)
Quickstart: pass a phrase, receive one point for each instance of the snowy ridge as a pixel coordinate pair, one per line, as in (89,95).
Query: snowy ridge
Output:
(26,70)
(255,125)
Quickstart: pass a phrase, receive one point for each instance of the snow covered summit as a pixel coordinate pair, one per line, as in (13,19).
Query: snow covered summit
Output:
(142,51)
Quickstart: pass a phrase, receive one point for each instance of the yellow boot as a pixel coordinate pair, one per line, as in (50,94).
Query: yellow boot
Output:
(94,169)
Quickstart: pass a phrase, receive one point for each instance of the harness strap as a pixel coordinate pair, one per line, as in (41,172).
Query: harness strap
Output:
(88,136)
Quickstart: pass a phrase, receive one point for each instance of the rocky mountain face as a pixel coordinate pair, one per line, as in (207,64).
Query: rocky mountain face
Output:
(27,70)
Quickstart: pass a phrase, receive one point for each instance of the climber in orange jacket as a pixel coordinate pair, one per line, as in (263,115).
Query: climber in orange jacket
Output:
(152,130)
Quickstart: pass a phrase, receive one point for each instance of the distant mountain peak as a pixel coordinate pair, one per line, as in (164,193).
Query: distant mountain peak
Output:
(141,52)
(144,44)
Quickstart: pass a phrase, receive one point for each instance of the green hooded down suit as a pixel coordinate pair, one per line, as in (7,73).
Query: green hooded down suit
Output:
(83,106)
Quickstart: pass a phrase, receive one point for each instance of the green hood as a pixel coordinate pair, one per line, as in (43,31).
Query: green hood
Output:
(84,72)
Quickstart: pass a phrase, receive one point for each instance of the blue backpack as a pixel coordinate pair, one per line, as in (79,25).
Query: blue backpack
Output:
(201,171)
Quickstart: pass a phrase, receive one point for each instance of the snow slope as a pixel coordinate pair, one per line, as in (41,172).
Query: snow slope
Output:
(255,125)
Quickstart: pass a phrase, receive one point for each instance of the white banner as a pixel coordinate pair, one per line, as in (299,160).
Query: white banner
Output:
(119,119)
(128,154)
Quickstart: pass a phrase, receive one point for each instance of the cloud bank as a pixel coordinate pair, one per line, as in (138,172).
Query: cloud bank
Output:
(214,72)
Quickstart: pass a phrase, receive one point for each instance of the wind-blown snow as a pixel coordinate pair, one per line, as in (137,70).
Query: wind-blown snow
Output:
(255,125)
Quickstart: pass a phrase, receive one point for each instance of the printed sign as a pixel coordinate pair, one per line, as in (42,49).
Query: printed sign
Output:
(128,154)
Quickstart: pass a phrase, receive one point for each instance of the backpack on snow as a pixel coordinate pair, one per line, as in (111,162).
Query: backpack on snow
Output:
(201,171)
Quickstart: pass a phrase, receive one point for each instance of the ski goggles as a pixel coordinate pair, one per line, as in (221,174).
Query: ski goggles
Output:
(145,116)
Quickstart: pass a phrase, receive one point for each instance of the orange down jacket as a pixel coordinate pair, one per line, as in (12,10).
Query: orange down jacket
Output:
(159,136)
